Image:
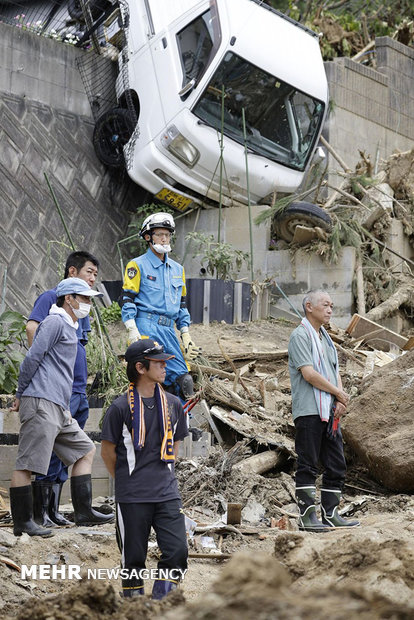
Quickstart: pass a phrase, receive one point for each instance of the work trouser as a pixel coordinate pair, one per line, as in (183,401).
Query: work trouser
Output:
(79,410)
(152,326)
(133,525)
(314,447)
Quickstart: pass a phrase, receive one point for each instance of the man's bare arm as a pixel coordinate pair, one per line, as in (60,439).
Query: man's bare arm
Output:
(313,377)
(108,455)
(31,327)
(176,448)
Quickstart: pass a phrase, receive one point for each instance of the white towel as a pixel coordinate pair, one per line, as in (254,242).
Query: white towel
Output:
(323,399)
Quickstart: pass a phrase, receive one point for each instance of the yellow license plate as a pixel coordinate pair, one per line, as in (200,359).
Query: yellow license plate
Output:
(175,200)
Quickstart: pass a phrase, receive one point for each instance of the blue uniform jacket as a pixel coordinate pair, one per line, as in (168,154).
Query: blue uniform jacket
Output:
(157,287)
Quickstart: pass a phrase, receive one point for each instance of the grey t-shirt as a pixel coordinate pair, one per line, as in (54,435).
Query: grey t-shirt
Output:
(300,354)
(151,479)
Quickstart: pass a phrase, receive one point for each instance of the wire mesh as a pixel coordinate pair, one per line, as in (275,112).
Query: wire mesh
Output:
(45,18)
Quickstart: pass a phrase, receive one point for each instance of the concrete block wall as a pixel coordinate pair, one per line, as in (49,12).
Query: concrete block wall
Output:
(234,230)
(373,108)
(46,126)
(306,271)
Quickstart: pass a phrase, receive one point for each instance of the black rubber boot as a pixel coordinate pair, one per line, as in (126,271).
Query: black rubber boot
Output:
(162,587)
(330,499)
(186,385)
(132,587)
(21,506)
(54,513)
(81,489)
(41,500)
(308,520)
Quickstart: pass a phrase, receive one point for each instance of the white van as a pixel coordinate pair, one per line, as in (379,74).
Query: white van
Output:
(190,71)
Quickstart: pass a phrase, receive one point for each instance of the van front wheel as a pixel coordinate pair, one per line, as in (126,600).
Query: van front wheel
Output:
(112,131)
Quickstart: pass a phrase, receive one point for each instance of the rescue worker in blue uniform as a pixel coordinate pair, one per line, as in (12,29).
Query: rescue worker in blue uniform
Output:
(153,302)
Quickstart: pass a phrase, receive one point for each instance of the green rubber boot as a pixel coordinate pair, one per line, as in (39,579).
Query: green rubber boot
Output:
(308,520)
(330,499)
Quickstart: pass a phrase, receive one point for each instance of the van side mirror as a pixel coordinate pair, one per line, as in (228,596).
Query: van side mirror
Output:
(187,88)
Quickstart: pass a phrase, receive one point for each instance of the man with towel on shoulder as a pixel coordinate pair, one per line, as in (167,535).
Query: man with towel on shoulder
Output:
(318,402)
(140,437)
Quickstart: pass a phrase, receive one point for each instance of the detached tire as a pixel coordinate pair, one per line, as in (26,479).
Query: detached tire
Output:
(112,131)
(300,213)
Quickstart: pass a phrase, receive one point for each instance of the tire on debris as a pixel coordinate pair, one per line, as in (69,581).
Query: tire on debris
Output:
(112,131)
(300,213)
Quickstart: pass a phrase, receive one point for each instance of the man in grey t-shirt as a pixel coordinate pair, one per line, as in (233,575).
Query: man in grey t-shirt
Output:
(318,402)
(42,399)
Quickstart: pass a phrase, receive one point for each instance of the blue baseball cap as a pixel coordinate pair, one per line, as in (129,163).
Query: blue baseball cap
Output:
(73,286)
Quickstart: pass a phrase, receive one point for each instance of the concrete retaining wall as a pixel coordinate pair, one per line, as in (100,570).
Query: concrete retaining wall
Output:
(373,108)
(46,126)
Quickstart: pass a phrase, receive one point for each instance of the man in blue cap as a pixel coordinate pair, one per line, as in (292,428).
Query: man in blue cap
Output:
(47,489)
(42,399)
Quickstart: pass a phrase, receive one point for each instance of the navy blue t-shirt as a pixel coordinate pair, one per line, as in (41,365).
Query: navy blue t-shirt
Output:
(40,311)
(140,475)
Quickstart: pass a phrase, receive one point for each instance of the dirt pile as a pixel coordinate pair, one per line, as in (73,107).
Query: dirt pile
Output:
(94,601)
(379,425)
(260,587)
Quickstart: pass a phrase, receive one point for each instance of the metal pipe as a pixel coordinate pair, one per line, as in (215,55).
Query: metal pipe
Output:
(248,195)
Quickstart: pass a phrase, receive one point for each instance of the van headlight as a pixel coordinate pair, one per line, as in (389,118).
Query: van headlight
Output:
(180,147)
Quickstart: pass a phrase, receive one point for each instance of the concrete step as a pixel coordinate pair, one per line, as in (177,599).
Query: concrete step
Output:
(10,423)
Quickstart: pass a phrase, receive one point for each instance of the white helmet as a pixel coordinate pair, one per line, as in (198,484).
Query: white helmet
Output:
(157,220)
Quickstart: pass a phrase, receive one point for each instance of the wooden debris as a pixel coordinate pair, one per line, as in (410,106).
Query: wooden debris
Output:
(360,326)
(409,344)
(402,295)
(250,427)
(303,235)
(259,463)
(209,556)
(349,354)
(267,356)
(237,372)
(233,513)
(9,562)
(210,370)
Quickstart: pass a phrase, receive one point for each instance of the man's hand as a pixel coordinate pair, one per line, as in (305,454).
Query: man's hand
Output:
(340,410)
(342,397)
(16,405)
(190,349)
(132,329)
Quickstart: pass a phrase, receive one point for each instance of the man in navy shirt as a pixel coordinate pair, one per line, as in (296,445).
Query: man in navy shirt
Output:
(47,488)
(141,432)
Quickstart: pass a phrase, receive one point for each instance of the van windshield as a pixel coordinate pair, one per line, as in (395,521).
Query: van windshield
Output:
(281,122)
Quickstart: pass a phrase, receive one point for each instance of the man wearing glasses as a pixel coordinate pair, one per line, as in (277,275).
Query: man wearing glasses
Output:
(153,301)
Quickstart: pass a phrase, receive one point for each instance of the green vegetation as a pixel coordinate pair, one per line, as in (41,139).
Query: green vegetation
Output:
(349,25)
(220,259)
(111,314)
(12,332)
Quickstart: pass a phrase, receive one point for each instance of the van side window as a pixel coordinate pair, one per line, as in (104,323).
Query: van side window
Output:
(197,44)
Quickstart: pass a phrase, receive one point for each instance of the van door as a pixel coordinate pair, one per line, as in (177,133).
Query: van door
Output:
(182,55)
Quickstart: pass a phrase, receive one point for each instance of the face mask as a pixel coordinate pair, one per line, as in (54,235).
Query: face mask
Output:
(82,311)
(162,249)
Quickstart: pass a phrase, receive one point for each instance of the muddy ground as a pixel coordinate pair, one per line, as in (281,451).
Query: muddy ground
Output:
(273,571)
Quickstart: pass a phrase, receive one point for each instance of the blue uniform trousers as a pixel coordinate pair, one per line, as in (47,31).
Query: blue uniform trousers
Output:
(165,335)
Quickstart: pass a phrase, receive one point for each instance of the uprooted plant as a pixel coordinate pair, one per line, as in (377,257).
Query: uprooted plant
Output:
(220,260)
(12,331)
